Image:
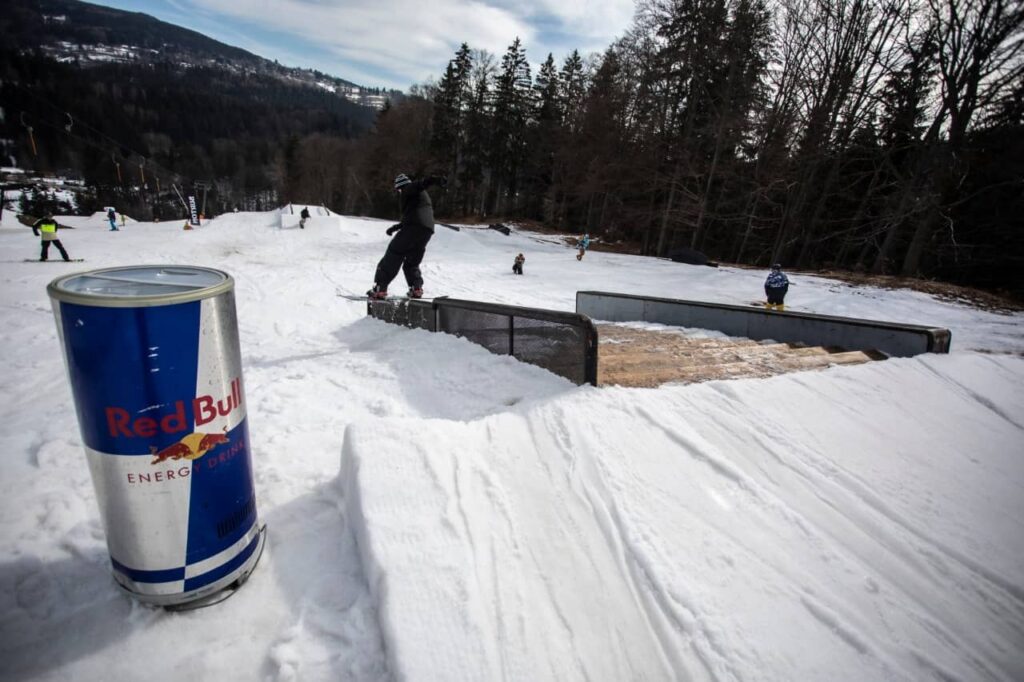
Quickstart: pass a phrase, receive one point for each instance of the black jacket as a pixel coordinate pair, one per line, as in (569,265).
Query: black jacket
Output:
(417,209)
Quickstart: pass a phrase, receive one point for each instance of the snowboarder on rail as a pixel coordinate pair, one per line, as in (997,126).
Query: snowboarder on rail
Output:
(775,288)
(48,226)
(414,231)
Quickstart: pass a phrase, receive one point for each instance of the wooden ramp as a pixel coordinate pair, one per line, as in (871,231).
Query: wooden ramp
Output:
(633,357)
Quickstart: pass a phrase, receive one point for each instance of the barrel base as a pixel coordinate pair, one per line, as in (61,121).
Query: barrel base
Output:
(208,595)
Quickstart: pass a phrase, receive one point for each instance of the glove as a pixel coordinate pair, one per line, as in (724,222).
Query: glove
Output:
(442,180)
(394,228)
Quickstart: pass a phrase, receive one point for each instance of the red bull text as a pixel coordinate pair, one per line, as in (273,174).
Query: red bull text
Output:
(154,363)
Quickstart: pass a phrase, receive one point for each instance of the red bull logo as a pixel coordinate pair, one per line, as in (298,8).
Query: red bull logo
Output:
(204,409)
(192,446)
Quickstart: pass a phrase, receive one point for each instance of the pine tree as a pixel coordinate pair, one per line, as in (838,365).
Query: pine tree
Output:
(544,139)
(572,86)
(450,104)
(478,132)
(513,104)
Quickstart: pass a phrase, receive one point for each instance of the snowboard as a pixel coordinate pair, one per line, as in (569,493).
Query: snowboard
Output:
(55,260)
(364,297)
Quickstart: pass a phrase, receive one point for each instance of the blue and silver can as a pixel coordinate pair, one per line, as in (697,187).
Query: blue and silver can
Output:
(155,368)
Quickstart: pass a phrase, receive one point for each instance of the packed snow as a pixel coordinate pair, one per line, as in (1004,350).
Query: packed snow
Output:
(435,512)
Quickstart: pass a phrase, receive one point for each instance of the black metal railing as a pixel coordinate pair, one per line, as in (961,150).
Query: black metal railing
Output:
(562,343)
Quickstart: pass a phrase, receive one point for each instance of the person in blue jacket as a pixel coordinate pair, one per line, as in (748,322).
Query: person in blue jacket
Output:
(584,245)
(775,288)
(112,217)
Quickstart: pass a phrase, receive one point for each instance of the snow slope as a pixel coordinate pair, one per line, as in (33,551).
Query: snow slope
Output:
(436,512)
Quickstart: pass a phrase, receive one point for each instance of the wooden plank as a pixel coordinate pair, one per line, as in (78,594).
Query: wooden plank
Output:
(649,358)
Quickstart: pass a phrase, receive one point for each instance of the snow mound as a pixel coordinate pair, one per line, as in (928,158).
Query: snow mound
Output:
(709,532)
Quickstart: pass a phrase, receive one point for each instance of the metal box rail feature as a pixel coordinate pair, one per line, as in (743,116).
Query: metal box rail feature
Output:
(892,339)
(768,342)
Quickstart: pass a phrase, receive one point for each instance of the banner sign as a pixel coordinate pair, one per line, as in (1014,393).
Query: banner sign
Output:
(193,212)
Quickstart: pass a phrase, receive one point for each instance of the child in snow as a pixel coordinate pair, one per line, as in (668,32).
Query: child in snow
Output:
(303,217)
(112,217)
(775,288)
(48,226)
(517,266)
(584,245)
(414,231)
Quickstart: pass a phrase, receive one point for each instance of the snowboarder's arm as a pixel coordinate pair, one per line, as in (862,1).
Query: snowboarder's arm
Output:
(394,228)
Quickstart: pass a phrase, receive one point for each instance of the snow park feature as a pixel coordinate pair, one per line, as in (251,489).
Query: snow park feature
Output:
(570,345)
(436,511)
(156,373)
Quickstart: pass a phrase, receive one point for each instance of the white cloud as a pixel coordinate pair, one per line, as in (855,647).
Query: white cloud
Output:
(593,21)
(412,40)
(396,43)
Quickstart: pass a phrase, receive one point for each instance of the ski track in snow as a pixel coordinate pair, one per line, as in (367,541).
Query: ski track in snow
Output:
(438,512)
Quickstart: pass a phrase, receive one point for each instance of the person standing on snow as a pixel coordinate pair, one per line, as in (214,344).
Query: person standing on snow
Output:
(584,245)
(303,217)
(48,226)
(414,231)
(775,288)
(112,217)
(517,265)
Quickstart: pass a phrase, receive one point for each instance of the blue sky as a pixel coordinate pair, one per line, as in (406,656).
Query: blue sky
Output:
(393,43)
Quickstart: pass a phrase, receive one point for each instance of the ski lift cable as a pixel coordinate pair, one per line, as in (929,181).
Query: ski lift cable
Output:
(155,168)
(81,123)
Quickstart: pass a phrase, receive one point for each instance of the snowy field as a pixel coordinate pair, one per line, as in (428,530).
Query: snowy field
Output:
(436,512)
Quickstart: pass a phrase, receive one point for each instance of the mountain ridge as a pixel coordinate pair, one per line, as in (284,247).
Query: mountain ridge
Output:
(86,34)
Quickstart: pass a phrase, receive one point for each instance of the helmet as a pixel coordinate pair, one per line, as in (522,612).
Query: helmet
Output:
(401,180)
(776,266)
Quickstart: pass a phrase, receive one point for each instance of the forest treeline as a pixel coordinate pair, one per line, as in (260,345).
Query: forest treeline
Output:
(883,137)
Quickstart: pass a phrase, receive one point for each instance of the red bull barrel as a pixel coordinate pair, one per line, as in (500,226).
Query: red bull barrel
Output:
(155,368)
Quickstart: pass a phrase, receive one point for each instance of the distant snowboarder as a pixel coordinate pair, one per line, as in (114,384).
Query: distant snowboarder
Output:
(517,265)
(775,288)
(303,217)
(48,227)
(112,217)
(584,245)
(414,231)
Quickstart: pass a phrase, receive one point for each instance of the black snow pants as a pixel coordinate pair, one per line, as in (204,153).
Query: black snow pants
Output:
(406,252)
(46,248)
